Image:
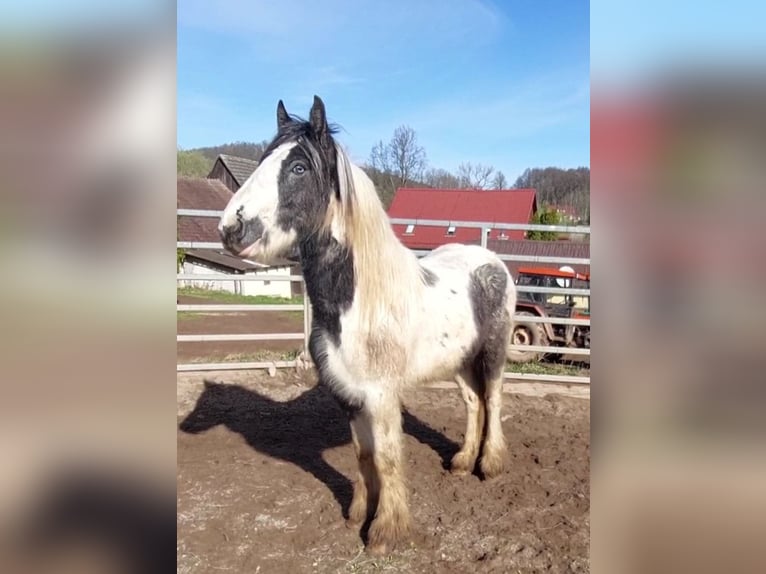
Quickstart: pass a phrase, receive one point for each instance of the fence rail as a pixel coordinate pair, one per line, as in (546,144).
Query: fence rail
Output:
(236,277)
(232,308)
(241,337)
(224,308)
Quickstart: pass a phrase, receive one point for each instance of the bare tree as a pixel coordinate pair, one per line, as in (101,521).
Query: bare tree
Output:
(440,178)
(379,157)
(408,159)
(499,181)
(474,176)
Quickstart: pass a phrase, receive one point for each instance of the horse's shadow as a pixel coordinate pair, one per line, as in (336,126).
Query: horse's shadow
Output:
(296,431)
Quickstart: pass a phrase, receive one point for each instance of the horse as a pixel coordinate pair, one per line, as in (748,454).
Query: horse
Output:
(382,319)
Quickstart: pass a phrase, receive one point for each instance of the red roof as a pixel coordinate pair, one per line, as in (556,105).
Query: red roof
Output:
(493,206)
(199,193)
(577,249)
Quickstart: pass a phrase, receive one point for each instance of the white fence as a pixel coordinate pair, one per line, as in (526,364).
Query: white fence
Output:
(305,307)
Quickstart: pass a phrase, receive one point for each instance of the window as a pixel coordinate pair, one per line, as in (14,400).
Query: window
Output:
(266,283)
(451,230)
(410,229)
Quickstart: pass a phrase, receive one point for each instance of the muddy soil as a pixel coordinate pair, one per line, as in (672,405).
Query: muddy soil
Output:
(264,468)
(235,323)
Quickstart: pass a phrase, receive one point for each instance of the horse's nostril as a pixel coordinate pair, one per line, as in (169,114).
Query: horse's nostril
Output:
(231,233)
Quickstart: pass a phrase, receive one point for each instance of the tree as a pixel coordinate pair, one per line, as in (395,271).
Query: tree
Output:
(545,216)
(379,157)
(556,186)
(407,159)
(398,163)
(499,181)
(192,163)
(441,179)
(474,176)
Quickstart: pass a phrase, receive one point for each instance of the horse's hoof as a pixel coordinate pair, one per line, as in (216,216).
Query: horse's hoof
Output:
(353,524)
(379,549)
(492,465)
(384,535)
(461,464)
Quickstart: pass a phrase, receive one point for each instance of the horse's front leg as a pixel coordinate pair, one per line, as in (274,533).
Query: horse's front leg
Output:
(392,518)
(366,486)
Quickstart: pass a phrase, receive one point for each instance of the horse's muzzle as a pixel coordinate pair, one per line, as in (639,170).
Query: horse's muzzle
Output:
(241,235)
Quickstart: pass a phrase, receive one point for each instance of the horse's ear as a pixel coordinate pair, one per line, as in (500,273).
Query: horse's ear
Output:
(318,118)
(283,118)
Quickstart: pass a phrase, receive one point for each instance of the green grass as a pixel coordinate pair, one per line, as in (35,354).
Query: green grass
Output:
(548,369)
(226,297)
(188,316)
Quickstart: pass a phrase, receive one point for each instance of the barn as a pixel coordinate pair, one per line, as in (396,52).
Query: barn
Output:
(212,194)
(493,206)
(232,170)
(528,247)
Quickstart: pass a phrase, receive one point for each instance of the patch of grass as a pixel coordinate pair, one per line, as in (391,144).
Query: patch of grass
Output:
(187,316)
(546,368)
(226,297)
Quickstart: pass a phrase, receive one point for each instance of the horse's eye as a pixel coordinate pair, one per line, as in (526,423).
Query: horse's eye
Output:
(298,169)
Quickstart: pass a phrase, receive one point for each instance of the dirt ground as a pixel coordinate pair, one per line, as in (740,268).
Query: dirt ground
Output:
(234,324)
(264,467)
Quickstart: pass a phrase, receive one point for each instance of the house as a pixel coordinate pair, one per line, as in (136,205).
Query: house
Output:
(567,213)
(229,268)
(492,206)
(233,171)
(200,193)
(212,194)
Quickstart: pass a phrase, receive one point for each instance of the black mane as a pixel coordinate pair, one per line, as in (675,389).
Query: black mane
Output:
(296,130)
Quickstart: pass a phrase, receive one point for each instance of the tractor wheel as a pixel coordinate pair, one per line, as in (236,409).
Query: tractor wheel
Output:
(527,333)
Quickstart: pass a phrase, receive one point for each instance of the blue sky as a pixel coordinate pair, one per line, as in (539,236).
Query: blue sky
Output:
(500,83)
(632,42)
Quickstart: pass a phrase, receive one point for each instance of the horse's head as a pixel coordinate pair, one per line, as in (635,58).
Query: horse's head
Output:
(290,193)
(214,406)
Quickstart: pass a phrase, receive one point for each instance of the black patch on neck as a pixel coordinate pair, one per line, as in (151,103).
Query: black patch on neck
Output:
(318,349)
(328,270)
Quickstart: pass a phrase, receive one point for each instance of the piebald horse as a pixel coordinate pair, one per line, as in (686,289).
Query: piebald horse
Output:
(382,319)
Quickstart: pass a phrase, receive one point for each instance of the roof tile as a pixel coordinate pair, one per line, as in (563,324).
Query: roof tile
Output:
(493,206)
(200,193)
(240,167)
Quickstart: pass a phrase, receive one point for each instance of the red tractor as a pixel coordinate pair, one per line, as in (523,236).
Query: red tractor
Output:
(550,305)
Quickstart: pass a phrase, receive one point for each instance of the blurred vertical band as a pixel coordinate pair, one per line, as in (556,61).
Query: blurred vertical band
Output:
(679,396)
(87,188)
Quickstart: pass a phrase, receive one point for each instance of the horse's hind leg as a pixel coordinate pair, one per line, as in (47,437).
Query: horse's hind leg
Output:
(493,453)
(489,366)
(473,395)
